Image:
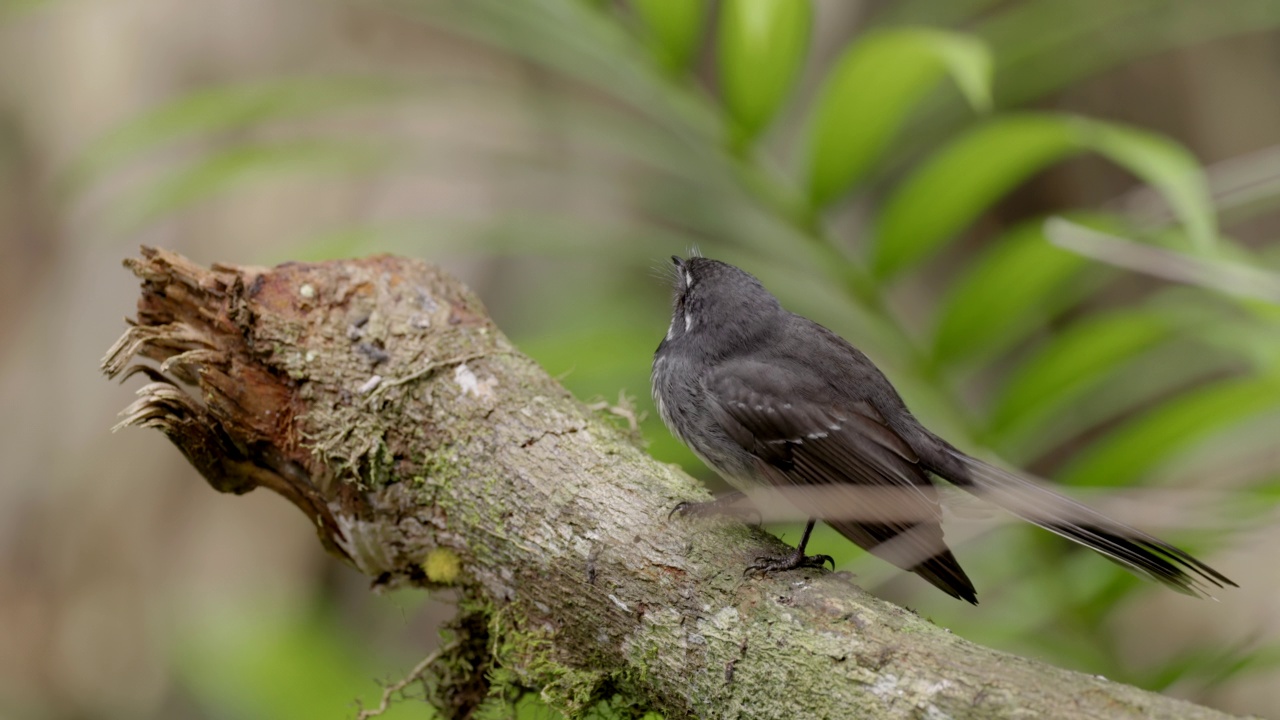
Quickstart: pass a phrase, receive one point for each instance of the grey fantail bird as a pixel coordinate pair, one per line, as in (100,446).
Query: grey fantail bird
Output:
(768,398)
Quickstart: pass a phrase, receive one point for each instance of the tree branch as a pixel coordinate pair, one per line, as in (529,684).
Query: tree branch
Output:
(378,397)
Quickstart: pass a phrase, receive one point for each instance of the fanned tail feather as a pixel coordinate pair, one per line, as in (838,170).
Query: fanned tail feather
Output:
(1137,551)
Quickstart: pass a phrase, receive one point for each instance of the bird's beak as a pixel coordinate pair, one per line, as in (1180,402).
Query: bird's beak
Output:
(678,261)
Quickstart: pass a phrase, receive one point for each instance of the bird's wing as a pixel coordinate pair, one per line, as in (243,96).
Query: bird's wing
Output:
(804,436)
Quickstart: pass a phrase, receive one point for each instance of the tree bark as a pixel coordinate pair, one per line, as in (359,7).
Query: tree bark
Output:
(378,397)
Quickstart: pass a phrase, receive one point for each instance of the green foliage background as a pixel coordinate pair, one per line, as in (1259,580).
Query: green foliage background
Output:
(867,184)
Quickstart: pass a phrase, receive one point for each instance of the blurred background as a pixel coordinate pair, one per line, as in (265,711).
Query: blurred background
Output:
(884,167)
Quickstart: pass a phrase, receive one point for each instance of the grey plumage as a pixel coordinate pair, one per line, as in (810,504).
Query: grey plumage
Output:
(765,396)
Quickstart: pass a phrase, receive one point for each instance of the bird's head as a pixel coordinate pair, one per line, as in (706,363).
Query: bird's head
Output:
(718,307)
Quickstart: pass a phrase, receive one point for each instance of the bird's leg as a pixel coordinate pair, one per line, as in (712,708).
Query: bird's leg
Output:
(797,558)
(726,504)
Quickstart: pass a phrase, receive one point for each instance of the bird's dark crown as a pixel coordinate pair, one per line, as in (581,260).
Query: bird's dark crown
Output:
(719,304)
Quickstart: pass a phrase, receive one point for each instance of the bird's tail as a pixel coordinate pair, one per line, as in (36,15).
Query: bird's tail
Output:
(1137,551)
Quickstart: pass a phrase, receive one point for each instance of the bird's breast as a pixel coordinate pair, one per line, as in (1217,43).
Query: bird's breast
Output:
(661,382)
(681,401)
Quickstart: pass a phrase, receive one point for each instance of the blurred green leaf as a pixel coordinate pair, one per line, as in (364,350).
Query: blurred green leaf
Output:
(1129,452)
(580,42)
(1071,362)
(963,179)
(1142,381)
(1213,666)
(234,168)
(950,12)
(956,184)
(1219,268)
(596,359)
(1017,282)
(674,28)
(512,233)
(1024,32)
(762,46)
(1250,338)
(1165,165)
(1242,328)
(221,109)
(867,95)
(1039,43)
(256,665)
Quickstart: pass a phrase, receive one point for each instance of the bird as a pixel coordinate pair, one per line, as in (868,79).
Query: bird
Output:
(770,399)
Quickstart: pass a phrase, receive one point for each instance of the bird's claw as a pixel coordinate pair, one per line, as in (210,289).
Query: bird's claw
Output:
(768,565)
(726,505)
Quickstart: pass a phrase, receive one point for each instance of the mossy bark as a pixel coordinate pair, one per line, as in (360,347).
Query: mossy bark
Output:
(378,397)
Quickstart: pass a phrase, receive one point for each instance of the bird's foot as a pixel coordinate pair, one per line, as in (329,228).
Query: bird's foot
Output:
(797,559)
(725,505)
